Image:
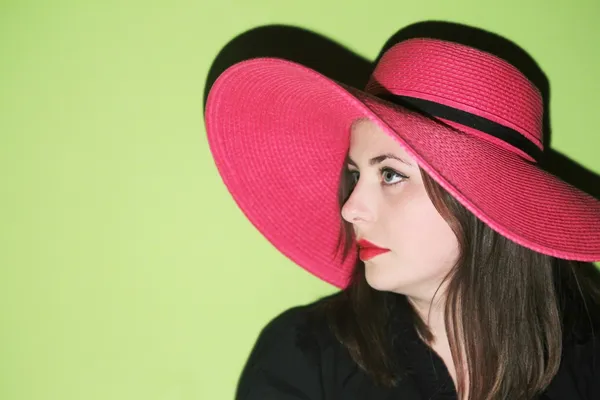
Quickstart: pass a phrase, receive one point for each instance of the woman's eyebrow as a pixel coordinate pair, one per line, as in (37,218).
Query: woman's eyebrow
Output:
(379,159)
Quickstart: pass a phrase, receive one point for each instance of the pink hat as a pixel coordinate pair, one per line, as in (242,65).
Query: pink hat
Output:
(279,133)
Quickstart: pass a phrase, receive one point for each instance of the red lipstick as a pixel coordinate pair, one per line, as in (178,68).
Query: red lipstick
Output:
(367,250)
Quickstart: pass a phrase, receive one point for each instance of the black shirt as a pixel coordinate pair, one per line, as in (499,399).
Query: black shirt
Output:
(294,359)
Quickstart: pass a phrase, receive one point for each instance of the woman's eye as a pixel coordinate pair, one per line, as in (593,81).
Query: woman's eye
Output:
(391,177)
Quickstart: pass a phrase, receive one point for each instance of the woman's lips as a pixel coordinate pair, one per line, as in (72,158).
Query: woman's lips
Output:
(367,250)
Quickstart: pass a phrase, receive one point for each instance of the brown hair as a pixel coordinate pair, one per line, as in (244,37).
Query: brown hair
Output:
(522,302)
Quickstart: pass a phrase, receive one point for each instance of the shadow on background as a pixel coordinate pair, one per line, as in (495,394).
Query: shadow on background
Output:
(339,63)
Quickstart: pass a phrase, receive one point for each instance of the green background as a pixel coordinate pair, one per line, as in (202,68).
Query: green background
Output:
(126,270)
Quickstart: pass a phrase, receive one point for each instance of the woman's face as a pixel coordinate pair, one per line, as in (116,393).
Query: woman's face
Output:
(390,208)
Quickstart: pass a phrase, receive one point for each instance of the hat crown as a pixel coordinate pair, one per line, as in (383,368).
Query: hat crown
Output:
(465,79)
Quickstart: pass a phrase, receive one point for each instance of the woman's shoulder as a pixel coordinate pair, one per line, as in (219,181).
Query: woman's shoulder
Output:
(303,326)
(581,362)
(578,376)
(286,361)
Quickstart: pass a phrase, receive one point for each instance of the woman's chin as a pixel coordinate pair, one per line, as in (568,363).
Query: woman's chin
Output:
(380,278)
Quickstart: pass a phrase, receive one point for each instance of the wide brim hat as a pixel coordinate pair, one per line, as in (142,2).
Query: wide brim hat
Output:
(279,133)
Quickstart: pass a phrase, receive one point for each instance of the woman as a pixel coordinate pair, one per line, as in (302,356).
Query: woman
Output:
(463,266)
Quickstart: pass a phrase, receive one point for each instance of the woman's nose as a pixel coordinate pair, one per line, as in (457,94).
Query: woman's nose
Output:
(358,208)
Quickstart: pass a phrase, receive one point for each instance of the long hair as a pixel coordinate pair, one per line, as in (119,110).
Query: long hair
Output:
(507,309)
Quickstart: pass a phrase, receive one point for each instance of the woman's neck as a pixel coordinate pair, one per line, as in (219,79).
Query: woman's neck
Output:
(432,314)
